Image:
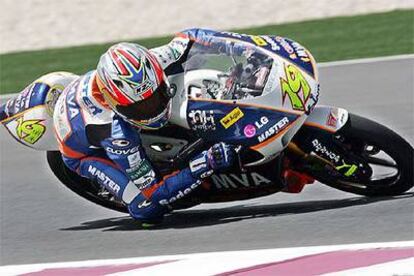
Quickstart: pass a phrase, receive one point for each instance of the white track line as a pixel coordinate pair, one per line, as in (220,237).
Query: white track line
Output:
(211,263)
(320,65)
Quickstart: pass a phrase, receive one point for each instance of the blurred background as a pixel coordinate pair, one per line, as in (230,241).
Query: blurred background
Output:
(39,24)
(331,29)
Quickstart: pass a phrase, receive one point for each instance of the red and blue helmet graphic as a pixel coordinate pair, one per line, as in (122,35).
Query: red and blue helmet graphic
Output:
(129,74)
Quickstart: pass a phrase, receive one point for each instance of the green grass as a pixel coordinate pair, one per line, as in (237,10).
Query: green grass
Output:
(328,39)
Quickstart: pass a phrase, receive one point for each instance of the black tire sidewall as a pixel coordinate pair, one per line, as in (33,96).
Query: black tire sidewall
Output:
(388,141)
(76,183)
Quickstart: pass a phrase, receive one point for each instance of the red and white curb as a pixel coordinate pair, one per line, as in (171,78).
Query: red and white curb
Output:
(392,258)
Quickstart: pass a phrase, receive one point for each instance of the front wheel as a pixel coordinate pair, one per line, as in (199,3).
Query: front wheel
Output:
(367,159)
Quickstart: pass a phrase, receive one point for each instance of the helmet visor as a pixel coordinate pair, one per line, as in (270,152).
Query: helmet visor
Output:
(149,108)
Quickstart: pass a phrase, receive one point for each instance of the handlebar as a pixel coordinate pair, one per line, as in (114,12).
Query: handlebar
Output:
(187,152)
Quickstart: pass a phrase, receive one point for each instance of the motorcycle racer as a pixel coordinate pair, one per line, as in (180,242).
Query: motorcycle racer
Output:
(97,117)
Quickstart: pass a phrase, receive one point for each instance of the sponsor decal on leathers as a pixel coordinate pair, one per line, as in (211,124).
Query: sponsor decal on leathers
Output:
(120,143)
(108,182)
(181,194)
(142,175)
(71,101)
(122,151)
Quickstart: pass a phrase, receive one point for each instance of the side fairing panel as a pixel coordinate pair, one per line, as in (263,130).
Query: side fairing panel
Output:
(33,128)
(30,114)
(329,118)
(240,124)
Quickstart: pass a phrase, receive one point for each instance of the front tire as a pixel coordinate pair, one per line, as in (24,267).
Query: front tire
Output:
(371,143)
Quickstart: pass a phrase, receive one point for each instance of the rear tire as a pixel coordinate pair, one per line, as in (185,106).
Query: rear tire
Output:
(84,187)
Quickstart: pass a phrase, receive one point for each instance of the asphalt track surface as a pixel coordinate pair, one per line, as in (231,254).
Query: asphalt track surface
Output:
(42,221)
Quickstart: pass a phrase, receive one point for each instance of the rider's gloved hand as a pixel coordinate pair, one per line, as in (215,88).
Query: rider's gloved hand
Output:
(219,156)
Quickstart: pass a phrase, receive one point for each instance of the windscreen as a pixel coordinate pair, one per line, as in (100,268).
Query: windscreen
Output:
(227,69)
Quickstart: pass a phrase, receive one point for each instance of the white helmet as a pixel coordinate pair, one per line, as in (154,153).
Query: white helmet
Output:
(134,85)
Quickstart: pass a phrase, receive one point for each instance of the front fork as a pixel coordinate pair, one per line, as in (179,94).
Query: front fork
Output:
(323,155)
(300,159)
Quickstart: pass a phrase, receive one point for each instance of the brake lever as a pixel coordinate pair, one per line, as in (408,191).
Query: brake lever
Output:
(238,150)
(183,155)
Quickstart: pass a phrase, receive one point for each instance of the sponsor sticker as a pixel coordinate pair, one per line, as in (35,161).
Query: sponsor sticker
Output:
(144,204)
(231,118)
(343,118)
(143,175)
(143,169)
(236,35)
(122,151)
(301,52)
(271,42)
(249,131)
(258,40)
(18,104)
(319,148)
(262,122)
(274,129)
(92,108)
(285,45)
(332,119)
(134,159)
(120,143)
(202,120)
(71,102)
(180,194)
(30,131)
(52,97)
(235,181)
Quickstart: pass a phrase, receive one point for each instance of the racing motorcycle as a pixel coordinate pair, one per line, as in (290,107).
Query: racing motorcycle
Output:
(262,101)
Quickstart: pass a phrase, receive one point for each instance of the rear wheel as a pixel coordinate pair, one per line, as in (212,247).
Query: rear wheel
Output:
(84,187)
(374,160)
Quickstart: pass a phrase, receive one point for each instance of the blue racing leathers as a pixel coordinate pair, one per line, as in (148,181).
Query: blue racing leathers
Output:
(99,145)
(172,55)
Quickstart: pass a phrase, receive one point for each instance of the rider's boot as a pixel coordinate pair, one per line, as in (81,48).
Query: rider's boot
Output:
(149,213)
